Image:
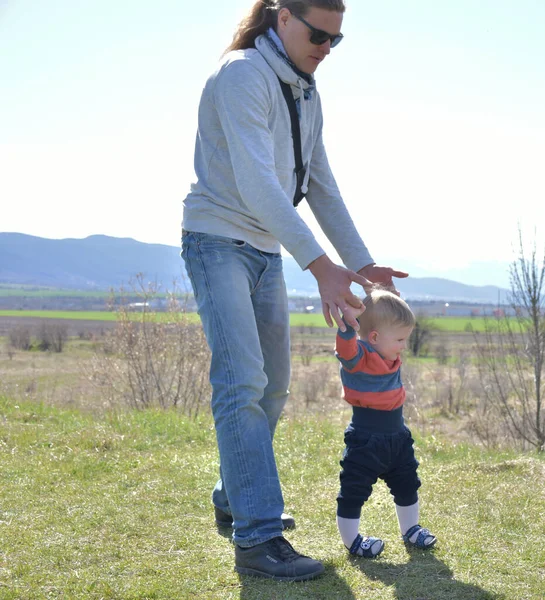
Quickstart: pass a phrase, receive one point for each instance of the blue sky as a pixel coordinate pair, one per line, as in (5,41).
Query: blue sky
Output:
(434,120)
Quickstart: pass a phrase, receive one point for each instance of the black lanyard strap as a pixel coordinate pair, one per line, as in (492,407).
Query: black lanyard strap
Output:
(296,135)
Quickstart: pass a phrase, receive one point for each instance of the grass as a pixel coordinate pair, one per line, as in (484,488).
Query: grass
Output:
(117,506)
(83,315)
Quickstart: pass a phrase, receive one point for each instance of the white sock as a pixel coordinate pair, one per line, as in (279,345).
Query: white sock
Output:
(348,528)
(408,516)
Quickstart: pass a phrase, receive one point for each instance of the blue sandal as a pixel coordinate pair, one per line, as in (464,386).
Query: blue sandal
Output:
(423,535)
(363,546)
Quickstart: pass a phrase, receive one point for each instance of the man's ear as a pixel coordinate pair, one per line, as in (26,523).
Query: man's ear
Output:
(372,337)
(283,16)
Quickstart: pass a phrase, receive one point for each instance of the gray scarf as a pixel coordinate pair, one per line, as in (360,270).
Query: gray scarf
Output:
(271,48)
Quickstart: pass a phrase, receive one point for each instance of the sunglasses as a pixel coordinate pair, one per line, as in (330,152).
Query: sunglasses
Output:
(319,36)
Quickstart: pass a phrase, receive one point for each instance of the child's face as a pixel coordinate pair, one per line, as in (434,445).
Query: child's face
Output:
(390,342)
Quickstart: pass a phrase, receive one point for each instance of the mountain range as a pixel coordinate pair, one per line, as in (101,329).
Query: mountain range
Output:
(100,262)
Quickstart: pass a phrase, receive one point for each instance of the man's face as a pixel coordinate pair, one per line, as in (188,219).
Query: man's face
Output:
(295,36)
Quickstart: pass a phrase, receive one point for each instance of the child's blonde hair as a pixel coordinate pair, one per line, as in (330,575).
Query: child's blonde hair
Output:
(385,309)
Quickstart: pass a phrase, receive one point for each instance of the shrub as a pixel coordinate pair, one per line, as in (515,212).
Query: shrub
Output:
(19,338)
(512,359)
(420,336)
(153,359)
(52,336)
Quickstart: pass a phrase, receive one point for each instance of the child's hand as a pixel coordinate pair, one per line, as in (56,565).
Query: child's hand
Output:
(354,313)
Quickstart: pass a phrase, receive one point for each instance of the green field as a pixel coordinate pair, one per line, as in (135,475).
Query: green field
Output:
(446,324)
(17,292)
(79,315)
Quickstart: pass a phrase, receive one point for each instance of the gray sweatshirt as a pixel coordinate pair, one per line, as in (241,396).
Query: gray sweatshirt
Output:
(245,164)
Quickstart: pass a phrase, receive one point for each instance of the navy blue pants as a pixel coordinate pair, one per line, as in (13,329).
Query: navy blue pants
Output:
(378,446)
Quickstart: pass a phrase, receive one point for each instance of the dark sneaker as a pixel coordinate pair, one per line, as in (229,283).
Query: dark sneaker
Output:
(224,519)
(276,559)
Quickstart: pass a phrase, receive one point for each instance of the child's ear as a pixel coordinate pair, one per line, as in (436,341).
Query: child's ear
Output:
(372,337)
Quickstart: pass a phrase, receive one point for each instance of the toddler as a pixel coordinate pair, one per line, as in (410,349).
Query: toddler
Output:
(378,444)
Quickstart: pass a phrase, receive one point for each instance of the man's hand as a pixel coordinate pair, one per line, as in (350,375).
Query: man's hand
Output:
(334,286)
(383,276)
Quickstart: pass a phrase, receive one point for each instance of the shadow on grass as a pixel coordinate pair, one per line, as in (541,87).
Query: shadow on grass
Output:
(422,578)
(329,586)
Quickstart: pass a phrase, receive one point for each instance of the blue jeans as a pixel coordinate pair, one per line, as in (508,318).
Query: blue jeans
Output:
(242,301)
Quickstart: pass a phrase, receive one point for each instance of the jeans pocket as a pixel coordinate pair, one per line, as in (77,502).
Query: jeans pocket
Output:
(186,257)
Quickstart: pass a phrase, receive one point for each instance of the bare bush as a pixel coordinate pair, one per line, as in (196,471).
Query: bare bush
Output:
(442,353)
(153,359)
(512,356)
(448,384)
(20,338)
(411,375)
(304,345)
(455,384)
(486,427)
(459,383)
(420,336)
(441,397)
(52,336)
(313,386)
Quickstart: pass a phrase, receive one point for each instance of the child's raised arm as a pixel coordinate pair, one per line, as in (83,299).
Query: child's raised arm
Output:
(347,349)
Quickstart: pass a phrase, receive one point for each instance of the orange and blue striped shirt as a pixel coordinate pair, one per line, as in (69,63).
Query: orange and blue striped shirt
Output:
(368,379)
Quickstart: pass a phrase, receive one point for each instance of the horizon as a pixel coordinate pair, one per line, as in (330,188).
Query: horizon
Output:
(471,276)
(434,122)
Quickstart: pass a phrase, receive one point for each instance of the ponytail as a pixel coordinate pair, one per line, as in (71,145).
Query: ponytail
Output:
(257,21)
